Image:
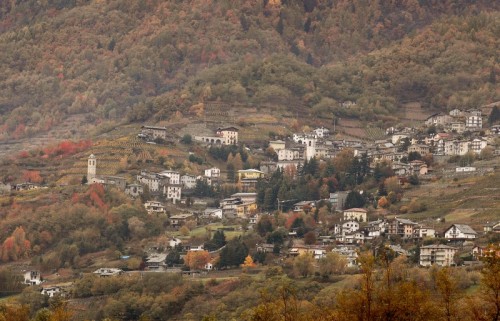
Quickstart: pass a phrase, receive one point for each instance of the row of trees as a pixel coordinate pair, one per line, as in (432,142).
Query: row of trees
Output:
(387,288)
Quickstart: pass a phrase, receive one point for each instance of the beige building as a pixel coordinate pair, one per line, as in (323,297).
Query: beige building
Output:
(438,254)
(355,214)
(229,135)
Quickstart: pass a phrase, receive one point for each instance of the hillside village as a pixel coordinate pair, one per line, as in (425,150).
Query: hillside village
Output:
(345,222)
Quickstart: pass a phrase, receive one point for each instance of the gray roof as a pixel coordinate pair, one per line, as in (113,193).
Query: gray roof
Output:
(463,228)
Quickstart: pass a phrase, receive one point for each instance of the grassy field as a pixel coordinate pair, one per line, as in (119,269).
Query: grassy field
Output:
(201,231)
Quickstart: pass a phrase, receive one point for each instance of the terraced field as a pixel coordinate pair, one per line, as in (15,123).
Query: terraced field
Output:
(471,200)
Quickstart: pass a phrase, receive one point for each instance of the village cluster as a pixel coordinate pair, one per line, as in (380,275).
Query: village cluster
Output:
(453,134)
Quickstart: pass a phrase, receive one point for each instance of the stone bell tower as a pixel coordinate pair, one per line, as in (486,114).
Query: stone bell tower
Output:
(91,168)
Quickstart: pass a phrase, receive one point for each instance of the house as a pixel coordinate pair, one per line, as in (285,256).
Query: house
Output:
(181,219)
(249,178)
(156,261)
(188,181)
(419,148)
(401,227)
(213,212)
(338,199)
(418,167)
(457,127)
(110,181)
(398,249)
(455,147)
(459,231)
(32,278)
(134,190)
(477,145)
(250,174)
(153,181)
(266,248)
(153,132)
(465,169)
(253,219)
(245,197)
(288,154)
(316,252)
(350,227)
(107,272)
(174,177)
(26,186)
(474,120)
(229,135)
(438,119)
(305,206)
(246,209)
(50,291)
(194,247)
(456,112)
(213,172)
(357,214)
(477,252)
(425,232)
(375,228)
(438,254)
(321,132)
(277,145)
(155,207)
(174,192)
(350,253)
(268,167)
(492,227)
(173,242)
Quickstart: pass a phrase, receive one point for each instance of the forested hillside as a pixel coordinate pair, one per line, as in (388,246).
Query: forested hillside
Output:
(148,59)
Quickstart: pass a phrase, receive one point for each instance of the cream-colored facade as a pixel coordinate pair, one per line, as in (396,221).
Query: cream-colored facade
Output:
(438,254)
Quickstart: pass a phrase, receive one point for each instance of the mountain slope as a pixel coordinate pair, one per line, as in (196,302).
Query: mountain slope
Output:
(108,59)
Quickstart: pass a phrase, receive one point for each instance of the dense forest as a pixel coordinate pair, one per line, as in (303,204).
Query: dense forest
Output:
(149,59)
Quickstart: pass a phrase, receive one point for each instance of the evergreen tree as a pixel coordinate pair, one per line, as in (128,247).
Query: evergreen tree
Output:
(354,199)
(494,115)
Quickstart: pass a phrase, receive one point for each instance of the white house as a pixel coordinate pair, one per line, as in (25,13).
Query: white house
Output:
(424,232)
(106,272)
(229,135)
(213,172)
(350,227)
(50,291)
(32,278)
(213,212)
(474,119)
(188,181)
(460,231)
(174,192)
(173,242)
(321,132)
(175,177)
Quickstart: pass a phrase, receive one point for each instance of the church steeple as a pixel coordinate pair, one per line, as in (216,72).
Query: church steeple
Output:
(91,168)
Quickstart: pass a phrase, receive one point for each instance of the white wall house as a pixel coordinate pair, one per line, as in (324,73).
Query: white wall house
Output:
(460,231)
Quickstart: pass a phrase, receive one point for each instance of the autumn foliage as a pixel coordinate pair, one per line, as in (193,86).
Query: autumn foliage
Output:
(15,246)
(196,260)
